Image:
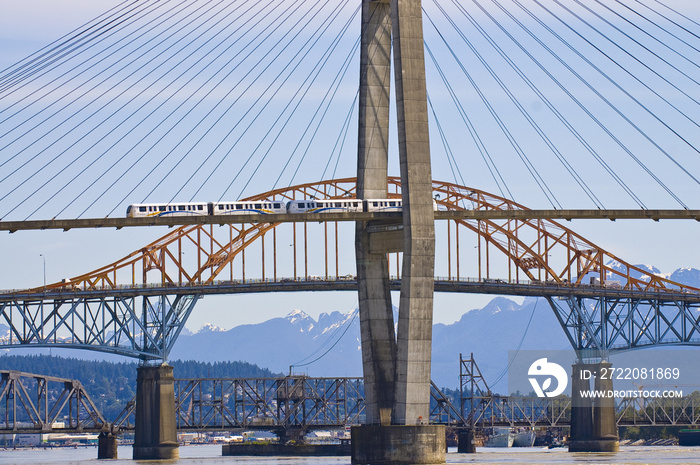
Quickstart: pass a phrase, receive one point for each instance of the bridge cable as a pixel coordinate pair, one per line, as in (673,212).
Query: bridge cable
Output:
(549,104)
(330,18)
(513,142)
(317,70)
(320,31)
(483,151)
(654,38)
(153,97)
(565,90)
(339,78)
(672,21)
(341,134)
(62,97)
(448,152)
(540,132)
(94,113)
(328,21)
(224,98)
(633,75)
(46,133)
(618,111)
(184,101)
(520,344)
(65,39)
(64,50)
(331,347)
(267,36)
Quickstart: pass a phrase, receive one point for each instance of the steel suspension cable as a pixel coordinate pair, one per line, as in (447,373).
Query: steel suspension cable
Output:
(335,11)
(70,36)
(651,36)
(672,21)
(624,69)
(317,69)
(45,86)
(329,21)
(65,53)
(563,88)
(562,159)
(268,30)
(618,111)
(481,147)
(156,95)
(192,94)
(77,99)
(504,129)
(338,78)
(84,135)
(549,104)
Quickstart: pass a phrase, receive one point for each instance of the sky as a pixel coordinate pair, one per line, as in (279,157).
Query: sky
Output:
(28,25)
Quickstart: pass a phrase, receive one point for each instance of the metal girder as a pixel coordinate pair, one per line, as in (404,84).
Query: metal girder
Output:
(605,324)
(108,324)
(31,403)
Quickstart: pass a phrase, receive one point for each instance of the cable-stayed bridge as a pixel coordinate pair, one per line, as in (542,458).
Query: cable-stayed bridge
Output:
(169,102)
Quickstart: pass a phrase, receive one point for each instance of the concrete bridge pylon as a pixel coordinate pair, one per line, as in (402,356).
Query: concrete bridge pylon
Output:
(396,365)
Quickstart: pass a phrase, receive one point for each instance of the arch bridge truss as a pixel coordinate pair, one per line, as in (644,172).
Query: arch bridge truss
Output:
(137,306)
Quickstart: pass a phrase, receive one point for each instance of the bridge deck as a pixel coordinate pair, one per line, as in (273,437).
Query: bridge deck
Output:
(119,223)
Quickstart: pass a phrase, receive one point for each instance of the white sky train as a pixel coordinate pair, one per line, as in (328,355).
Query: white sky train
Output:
(249,207)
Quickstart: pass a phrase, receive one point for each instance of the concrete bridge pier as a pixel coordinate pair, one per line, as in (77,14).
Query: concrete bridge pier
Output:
(107,446)
(155,429)
(593,423)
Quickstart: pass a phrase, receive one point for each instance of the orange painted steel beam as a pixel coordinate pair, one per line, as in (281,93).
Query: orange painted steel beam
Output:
(527,243)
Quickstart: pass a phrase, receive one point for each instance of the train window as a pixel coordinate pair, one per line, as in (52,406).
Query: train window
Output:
(392,204)
(302,205)
(199,207)
(258,206)
(277,205)
(338,204)
(376,204)
(142,209)
(220,207)
(161,208)
(239,207)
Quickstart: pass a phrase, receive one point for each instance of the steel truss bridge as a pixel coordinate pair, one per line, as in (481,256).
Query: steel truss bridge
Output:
(137,306)
(294,405)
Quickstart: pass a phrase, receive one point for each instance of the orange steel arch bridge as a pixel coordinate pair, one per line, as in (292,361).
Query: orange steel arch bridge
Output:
(137,306)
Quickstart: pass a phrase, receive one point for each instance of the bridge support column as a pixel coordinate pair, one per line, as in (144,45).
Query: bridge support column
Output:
(107,446)
(398,444)
(465,442)
(593,424)
(155,430)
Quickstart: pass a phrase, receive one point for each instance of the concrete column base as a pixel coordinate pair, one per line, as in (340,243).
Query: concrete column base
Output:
(160,452)
(107,446)
(398,444)
(595,445)
(465,442)
(155,435)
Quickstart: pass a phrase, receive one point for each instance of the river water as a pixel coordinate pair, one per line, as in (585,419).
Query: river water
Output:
(211,455)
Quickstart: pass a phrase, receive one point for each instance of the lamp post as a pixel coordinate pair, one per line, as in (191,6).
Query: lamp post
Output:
(44,258)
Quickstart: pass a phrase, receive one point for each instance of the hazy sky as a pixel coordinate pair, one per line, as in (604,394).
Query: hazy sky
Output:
(29,24)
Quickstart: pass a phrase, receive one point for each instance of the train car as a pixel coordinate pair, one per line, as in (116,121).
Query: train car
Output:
(324,206)
(248,207)
(144,210)
(383,205)
(387,205)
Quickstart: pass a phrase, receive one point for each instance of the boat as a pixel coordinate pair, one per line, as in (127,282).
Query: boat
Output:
(524,438)
(501,437)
